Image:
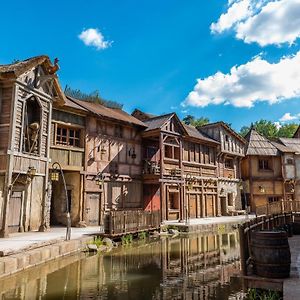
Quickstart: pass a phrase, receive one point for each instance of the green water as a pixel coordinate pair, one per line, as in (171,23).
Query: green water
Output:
(191,267)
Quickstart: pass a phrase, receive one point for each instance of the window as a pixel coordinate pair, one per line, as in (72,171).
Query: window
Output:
(273,199)
(226,138)
(168,151)
(264,164)
(230,199)
(290,161)
(150,152)
(229,163)
(118,131)
(67,136)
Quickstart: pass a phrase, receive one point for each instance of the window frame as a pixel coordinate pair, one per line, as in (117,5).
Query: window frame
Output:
(75,138)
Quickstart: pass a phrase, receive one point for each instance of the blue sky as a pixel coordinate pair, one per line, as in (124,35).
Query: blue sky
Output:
(150,53)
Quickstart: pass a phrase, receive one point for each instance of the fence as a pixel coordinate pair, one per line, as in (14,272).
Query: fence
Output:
(259,223)
(122,221)
(278,207)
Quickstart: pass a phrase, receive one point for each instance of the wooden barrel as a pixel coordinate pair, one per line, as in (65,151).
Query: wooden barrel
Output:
(271,254)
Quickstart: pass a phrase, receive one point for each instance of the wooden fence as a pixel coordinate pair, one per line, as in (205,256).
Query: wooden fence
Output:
(278,207)
(121,222)
(260,223)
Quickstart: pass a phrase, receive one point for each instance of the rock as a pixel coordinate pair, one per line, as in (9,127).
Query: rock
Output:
(92,248)
(173,231)
(108,242)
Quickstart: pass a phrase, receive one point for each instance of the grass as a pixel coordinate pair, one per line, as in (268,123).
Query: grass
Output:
(127,239)
(142,235)
(259,294)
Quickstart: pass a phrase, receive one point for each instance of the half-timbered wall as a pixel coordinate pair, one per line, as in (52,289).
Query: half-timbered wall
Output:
(114,152)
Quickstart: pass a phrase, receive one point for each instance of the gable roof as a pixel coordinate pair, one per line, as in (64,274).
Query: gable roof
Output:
(259,145)
(292,143)
(195,133)
(110,113)
(159,121)
(16,69)
(228,128)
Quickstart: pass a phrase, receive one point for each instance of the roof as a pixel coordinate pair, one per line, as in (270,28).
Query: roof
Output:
(228,128)
(20,67)
(14,70)
(157,122)
(293,143)
(195,133)
(142,116)
(259,145)
(103,111)
(283,148)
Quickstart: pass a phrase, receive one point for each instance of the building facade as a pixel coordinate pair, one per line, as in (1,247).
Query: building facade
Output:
(229,157)
(28,90)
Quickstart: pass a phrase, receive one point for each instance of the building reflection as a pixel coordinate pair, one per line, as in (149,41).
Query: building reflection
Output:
(191,267)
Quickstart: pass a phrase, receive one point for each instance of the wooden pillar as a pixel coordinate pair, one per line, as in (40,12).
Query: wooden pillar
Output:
(203,213)
(10,163)
(162,187)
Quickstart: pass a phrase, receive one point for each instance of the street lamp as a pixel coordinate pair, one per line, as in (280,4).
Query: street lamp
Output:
(56,170)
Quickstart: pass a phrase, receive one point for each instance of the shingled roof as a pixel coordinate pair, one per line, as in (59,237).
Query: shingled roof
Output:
(259,145)
(18,68)
(110,113)
(195,133)
(157,122)
(292,143)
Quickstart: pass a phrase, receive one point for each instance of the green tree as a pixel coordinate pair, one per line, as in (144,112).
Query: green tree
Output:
(191,120)
(287,130)
(270,129)
(188,119)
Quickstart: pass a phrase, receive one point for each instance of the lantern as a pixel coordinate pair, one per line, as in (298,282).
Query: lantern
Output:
(261,189)
(54,175)
(31,171)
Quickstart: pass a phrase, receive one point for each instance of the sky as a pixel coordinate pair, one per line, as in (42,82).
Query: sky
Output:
(231,60)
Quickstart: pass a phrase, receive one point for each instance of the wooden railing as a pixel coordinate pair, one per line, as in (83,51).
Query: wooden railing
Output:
(131,221)
(260,223)
(278,207)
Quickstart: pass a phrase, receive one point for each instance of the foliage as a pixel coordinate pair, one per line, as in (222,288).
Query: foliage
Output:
(97,241)
(270,130)
(259,294)
(91,97)
(127,239)
(142,235)
(191,120)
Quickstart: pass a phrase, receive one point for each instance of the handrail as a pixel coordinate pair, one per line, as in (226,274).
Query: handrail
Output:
(263,222)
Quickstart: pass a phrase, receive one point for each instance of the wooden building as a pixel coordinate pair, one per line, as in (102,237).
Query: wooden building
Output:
(112,178)
(268,170)
(230,153)
(27,91)
(68,149)
(180,171)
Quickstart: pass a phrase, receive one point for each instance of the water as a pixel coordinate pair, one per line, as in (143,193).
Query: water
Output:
(191,267)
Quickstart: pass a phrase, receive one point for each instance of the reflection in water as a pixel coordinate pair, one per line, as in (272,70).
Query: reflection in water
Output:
(191,267)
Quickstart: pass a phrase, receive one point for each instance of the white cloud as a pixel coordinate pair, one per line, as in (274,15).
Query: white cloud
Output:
(289,117)
(93,37)
(237,11)
(244,85)
(265,22)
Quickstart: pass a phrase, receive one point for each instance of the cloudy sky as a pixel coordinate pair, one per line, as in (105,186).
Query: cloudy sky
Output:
(231,60)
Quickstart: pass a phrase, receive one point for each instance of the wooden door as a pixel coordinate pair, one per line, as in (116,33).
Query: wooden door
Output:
(193,206)
(209,206)
(93,209)
(15,211)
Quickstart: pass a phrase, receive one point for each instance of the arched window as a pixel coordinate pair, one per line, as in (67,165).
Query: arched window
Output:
(32,126)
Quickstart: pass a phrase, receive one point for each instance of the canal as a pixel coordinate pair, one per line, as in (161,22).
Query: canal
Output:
(187,267)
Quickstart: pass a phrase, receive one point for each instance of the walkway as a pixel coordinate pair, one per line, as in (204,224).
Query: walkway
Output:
(291,286)
(18,242)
